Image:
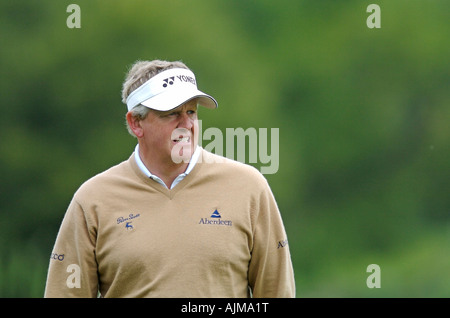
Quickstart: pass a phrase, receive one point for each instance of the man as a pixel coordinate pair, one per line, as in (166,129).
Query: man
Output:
(173,220)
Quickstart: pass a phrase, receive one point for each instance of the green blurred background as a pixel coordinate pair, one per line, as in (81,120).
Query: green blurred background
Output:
(363,116)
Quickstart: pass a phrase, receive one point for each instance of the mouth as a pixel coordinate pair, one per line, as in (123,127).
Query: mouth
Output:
(182,138)
(182,144)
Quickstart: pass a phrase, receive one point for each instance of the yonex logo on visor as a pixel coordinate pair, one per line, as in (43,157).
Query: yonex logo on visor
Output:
(188,79)
(182,78)
(168,80)
(155,93)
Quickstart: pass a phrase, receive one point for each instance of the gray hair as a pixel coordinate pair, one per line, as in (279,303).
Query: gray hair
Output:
(139,73)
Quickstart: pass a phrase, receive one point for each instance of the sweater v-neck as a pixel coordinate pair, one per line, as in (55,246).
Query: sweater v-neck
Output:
(170,193)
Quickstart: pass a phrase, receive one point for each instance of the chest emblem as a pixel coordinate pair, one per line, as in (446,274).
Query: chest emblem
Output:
(215,219)
(127,222)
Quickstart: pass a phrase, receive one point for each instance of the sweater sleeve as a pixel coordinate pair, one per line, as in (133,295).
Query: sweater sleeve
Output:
(271,273)
(73,269)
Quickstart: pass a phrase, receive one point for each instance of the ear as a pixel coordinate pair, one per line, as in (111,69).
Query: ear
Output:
(135,125)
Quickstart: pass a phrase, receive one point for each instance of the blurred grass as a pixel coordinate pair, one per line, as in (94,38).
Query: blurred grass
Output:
(23,271)
(416,270)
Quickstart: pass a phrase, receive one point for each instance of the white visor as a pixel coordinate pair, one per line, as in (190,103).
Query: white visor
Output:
(168,90)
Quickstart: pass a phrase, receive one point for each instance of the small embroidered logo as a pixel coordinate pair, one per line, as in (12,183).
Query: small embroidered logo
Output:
(128,221)
(216,214)
(128,226)
(282,243)
(169,81)
(215,219)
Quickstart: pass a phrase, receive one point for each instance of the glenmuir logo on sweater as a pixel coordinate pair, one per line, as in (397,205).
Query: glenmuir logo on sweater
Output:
(216,219)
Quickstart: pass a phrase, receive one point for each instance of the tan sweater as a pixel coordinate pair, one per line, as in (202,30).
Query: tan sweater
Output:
(218,233)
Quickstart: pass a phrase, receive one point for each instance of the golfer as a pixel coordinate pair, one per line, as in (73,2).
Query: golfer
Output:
(173,220)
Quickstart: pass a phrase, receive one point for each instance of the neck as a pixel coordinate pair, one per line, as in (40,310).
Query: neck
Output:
(162,167)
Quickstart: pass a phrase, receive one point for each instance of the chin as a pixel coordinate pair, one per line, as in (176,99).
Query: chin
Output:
(182,152)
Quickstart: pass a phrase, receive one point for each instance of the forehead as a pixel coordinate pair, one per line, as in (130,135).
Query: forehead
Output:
(190,104)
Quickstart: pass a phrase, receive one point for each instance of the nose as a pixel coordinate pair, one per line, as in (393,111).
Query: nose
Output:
(185,121)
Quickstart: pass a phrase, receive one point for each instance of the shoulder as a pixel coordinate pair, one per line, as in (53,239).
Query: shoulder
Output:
(231,169)
(104,181)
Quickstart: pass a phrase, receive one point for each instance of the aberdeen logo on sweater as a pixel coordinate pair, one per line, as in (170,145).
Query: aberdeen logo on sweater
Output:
(215,219)
(215,214)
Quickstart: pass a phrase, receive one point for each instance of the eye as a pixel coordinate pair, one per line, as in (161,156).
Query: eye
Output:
(171,114)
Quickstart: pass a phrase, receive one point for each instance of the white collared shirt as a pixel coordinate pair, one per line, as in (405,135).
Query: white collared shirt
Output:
(177,180)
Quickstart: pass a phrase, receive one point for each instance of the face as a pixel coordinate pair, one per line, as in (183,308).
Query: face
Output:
(168,137)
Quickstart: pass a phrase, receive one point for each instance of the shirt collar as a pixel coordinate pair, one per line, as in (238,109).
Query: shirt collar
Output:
(180,177)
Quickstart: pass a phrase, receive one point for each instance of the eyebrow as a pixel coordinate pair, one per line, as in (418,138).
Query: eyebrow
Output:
(176,110)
